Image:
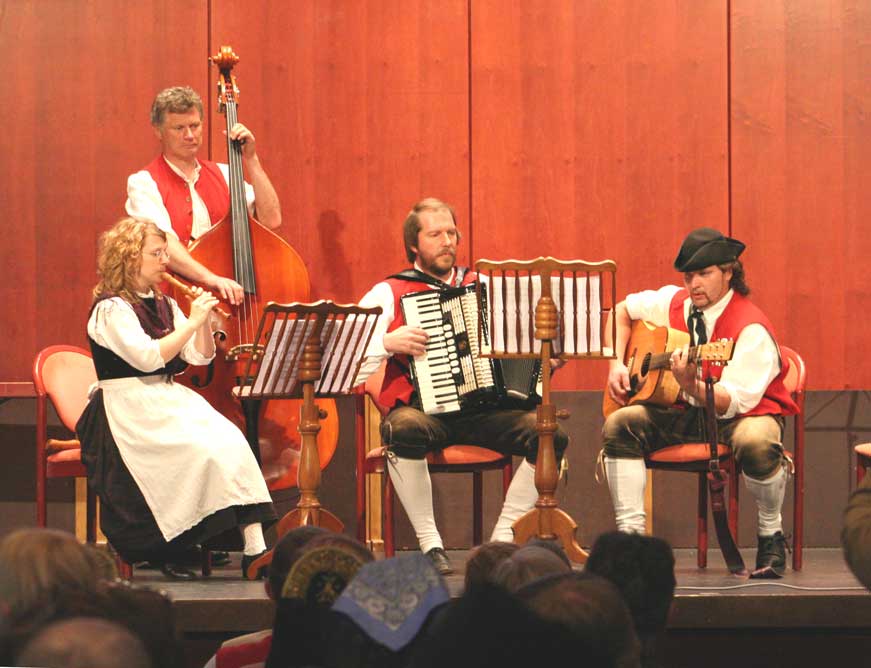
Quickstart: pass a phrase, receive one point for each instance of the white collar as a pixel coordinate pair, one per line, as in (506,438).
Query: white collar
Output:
(196,175)
(711,313)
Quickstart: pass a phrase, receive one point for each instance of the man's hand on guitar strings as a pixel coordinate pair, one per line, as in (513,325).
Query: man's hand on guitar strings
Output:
(618,382)
(685,371)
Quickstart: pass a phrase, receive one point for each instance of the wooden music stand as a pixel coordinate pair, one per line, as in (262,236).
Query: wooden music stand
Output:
(304,350)
(526,321)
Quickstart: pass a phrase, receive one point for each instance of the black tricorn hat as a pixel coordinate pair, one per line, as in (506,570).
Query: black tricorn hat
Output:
(706,246)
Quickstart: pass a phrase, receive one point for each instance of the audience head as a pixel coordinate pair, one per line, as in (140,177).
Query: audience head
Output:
(285,553)
(84,642)
(488,626)
(380,616)
(592,610)
(320,572)
(324,567)
(527,564)
(553,545)
(642,568)
(37,564)
(484,559)
(146,613)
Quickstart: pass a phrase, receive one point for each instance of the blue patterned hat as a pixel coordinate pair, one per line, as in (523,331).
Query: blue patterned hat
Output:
(390,600)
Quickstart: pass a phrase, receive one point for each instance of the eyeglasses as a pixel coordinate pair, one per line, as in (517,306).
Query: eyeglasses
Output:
(157,254)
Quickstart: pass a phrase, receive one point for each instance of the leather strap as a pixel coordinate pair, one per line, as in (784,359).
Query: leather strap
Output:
(716,484)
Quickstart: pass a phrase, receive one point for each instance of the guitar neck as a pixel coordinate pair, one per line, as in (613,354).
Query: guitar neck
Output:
(663,360)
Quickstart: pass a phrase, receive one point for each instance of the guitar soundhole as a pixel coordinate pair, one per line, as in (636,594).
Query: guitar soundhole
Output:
(645,365)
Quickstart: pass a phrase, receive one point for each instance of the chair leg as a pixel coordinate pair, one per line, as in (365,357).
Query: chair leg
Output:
(798,514)
(361,505)
(507,475)
(388,523)
(702,523)
(734,492)
(477,507)
(206,562)
(90,515)
(125,570)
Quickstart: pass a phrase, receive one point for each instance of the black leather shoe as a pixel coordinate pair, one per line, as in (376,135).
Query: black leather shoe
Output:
(177,572)
(219,558)
(770,557)
(248,560)
(440,560)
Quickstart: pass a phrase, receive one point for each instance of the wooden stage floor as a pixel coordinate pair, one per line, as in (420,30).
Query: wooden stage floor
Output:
(819,616)
(823,595)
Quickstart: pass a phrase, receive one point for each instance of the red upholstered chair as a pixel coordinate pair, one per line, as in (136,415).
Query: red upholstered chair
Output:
(62,376)
(453,459)
(693,458)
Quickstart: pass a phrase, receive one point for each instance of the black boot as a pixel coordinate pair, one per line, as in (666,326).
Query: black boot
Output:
(770,557)
(247,560)
(440,560)
(176,571)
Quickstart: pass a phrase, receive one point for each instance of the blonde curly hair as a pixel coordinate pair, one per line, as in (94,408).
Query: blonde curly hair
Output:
(120,257)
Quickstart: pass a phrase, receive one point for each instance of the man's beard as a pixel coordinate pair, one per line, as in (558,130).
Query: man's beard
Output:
(436,269)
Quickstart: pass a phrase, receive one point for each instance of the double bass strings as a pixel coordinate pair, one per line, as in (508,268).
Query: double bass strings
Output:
(241,235)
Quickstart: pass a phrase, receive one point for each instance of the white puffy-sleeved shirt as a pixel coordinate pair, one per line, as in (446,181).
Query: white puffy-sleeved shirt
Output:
(188,460)
(755,358)
(114,325)
(145,203)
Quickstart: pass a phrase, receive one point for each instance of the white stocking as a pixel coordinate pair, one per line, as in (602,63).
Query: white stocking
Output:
(627,480)
(252,535)
(769,495)
(410,478)
(521,497)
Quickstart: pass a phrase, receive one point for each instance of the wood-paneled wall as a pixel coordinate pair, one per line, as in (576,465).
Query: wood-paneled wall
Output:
(575,128)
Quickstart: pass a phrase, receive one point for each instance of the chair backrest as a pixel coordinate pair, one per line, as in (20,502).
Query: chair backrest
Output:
(64,374)
(796,374)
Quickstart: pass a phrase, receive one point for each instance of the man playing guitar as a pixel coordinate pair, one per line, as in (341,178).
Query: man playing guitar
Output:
(749,397)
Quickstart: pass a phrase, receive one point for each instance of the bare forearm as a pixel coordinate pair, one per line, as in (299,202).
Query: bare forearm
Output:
(204,340)
(266,204)
(181,262)
(624,326)
(171,344)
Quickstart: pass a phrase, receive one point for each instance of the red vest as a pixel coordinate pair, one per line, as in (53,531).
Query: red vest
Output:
(397,386)
(739,313)
(175,193)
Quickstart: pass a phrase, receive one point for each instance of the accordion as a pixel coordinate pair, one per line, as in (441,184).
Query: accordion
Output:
(452,376)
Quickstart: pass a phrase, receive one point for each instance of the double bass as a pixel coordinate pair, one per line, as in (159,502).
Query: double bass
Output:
(268,269)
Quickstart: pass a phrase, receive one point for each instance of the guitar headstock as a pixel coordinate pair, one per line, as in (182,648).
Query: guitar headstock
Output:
(718,352)
(228,92)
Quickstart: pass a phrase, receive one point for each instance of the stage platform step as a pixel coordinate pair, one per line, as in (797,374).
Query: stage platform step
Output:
(823,595)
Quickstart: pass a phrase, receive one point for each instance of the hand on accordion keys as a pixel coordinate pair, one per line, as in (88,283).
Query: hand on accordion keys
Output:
(406,339)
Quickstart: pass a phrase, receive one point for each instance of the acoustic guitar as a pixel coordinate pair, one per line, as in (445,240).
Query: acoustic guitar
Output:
(648,354)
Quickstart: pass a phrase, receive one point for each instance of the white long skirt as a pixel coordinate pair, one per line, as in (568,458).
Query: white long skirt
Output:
(188,460)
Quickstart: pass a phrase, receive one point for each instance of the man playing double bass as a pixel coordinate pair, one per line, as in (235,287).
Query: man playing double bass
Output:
(750,398)
(184,195)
